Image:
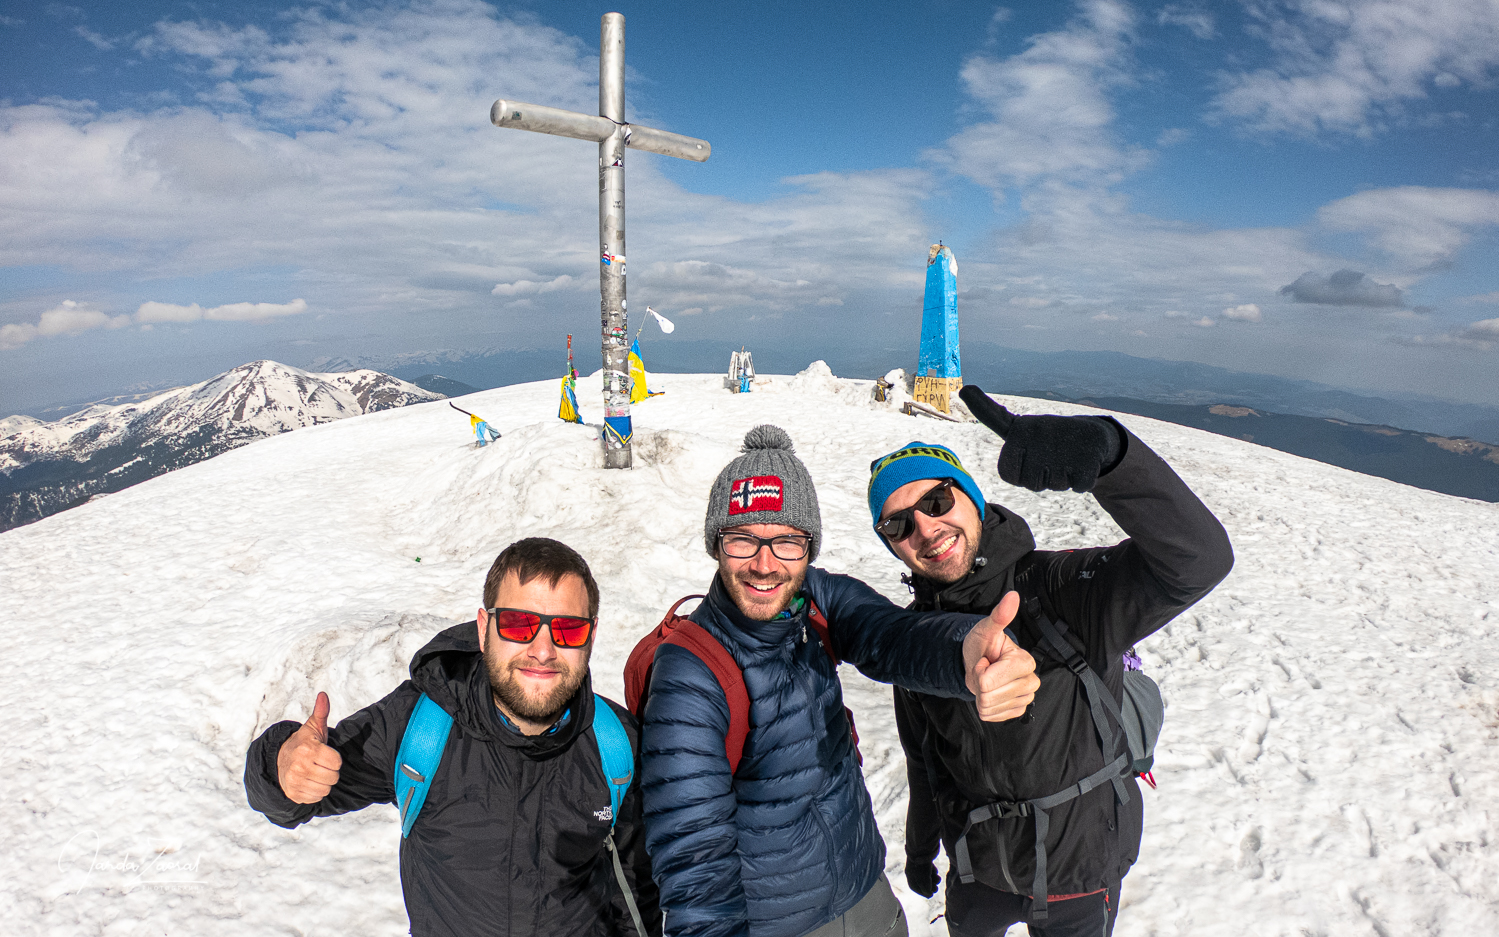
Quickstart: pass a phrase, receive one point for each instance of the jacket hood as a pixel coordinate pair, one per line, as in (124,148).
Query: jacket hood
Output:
(450,669)
(1004,540)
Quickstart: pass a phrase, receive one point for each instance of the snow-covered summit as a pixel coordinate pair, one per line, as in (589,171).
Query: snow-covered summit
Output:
(1327,763)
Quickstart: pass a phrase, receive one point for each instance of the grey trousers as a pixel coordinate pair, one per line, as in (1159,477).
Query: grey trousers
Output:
(878,914)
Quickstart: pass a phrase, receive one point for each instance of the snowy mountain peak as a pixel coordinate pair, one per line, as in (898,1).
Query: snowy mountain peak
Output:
(45,467)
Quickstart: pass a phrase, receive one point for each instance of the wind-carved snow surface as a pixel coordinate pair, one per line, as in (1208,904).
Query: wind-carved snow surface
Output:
(1327,766)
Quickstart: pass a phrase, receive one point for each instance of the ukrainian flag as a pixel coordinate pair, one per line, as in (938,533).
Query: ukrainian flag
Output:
(568,409)
(638,388)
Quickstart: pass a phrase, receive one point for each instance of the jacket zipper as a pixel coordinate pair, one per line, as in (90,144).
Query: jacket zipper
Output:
(810,688)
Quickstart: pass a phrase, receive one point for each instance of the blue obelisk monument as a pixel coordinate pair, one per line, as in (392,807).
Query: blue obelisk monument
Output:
(939,372)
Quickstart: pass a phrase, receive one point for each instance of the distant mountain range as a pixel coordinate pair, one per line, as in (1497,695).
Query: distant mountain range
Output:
(1066,374)
(46,467)
(446,386)
(49,467)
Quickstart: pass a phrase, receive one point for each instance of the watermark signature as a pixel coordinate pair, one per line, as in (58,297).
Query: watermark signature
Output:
(156,864)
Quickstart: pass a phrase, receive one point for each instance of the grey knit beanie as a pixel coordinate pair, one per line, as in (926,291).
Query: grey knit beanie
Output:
(766,485)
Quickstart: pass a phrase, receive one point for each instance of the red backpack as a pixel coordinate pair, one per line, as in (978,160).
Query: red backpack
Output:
(683,632)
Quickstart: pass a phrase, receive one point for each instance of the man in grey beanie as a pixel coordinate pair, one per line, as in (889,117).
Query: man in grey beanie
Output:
(777,837)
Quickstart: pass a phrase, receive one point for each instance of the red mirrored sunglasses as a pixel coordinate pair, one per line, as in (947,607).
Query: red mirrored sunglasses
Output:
(520,625)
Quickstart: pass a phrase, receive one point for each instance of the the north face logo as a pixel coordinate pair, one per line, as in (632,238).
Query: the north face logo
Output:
(759,493)
(606,814)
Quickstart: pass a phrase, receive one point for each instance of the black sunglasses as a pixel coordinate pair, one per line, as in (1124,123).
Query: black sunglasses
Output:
(935,503)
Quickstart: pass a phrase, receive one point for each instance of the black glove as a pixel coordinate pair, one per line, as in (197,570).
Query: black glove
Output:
(1048,452)
(922,877)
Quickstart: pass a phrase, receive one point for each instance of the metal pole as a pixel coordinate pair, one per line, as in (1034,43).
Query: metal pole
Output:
(617,426)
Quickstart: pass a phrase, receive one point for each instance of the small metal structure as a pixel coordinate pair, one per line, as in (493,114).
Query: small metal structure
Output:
(939,370)
(613,136)
(741,372)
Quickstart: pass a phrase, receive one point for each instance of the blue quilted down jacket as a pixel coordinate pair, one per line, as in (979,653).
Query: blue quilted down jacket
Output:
(789,841)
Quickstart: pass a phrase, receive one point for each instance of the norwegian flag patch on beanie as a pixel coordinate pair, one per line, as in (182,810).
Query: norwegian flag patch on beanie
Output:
(756,493)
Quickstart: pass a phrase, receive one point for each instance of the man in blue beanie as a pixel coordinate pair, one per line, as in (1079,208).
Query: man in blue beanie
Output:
(1041,817)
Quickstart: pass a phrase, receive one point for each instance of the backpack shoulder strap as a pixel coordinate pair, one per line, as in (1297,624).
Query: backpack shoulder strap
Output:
(1099,697)
(643,657)
(618,760)
(421,751)
(693,637)
(615,753)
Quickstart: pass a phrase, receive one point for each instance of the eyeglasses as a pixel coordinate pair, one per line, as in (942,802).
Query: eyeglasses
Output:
(521,626)
(935,503)
(744,546)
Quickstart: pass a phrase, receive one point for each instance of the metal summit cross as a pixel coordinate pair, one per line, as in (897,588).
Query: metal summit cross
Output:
(613,135)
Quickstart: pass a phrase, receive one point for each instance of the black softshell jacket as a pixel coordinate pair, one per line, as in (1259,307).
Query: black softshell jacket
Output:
(511,840)
(1109,598)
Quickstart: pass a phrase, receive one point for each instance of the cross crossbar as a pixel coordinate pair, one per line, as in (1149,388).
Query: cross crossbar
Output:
(559,123)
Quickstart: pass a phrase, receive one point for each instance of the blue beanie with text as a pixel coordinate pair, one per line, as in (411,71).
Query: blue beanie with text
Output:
(913,462)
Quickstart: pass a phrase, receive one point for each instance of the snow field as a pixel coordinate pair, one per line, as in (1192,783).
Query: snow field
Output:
(1327,766)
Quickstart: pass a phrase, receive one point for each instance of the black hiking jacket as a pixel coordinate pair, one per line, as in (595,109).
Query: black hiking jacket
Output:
(511,840)
(1109,598)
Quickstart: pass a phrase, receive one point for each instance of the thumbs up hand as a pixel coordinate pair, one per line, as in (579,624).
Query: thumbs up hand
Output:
(306,766)
(1001,674)
(1047,452)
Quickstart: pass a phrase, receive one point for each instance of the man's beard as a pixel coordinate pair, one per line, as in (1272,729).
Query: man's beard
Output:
(756,612)
(513,697)
(954,569)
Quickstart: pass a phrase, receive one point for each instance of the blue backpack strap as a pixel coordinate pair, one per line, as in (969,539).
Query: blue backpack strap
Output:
(615,753)
(618,760)
(421,751)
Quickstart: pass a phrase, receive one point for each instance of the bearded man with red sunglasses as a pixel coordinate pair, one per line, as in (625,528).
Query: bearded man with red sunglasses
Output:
(1039,823)
(513,835)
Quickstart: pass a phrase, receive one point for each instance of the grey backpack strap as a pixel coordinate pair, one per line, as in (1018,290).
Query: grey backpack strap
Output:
(624,886)
(1040,805)
(1003,810)
(1098,696)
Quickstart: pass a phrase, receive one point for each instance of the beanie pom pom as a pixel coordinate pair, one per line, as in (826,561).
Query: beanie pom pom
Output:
(767,436)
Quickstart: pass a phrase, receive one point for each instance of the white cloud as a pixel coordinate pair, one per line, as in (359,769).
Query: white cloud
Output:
(1480,336)
(1482,298)
(1351,67)
(14,335)
(1105,317)
(1030,302)
(529,287)
(1049,113)
(1172,136)
(1191,17)
(152,312)
(1248,312)
(1419,226)
(1485,332)
(1205,322)
(67,318)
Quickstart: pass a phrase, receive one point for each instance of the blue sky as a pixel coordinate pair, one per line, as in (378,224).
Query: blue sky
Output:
(1299,187)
